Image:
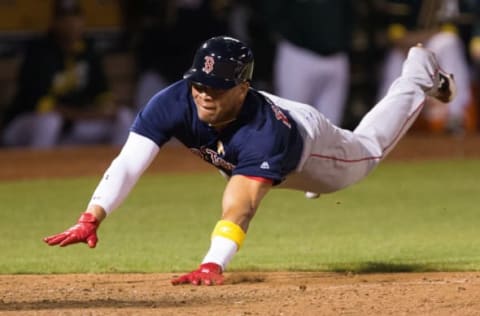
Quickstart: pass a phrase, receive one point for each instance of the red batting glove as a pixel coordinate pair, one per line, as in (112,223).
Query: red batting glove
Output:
(207,274)
(84,231)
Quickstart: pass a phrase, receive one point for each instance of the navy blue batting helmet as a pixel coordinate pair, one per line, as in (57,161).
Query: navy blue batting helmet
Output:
(221,62)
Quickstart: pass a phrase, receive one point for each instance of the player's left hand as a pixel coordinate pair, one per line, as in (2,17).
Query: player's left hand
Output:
(207,274)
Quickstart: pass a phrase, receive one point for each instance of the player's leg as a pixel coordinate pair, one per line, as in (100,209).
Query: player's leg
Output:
(47,130)
(390,70)
(121,125)
(337,158)
(34,130)
(95,131)
(18,131)
(149,83)
(293,72)
(85,132)
(333,74)
(389,120)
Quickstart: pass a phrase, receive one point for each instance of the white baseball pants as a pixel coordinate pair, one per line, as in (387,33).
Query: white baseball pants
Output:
(334,158)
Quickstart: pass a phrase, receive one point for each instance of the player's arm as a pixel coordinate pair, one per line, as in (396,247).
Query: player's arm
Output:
(241,199)
(117,182)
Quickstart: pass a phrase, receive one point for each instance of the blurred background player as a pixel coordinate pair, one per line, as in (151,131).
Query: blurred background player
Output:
(63,96)
(312,56)
(167,33)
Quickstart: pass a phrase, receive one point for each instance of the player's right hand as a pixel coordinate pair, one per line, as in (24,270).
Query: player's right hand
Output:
(84,231)
(207,274)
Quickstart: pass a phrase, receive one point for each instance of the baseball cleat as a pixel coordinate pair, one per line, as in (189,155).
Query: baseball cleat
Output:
(445,88)
(422,67)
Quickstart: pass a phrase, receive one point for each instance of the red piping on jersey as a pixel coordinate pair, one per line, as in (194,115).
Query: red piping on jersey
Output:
(260,179)
(384,149)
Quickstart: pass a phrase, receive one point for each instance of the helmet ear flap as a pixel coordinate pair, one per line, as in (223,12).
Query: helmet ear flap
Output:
(247,72)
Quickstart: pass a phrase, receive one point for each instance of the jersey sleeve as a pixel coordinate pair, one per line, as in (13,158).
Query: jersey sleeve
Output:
(265,156)
(272,147)
(158,119)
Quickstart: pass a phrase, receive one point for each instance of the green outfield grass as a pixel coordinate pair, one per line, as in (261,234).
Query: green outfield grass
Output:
(409,216)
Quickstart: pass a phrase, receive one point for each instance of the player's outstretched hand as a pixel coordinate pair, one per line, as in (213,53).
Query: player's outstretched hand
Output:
(84,231)
(207,274)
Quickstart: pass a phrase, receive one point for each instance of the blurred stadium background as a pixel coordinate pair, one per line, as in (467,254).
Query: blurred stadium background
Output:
(115,25)
(21,20)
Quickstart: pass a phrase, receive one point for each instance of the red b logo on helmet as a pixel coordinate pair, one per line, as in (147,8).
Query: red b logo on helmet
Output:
(208,66)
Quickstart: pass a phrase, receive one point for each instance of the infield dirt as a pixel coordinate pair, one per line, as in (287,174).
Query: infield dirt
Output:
(259,293)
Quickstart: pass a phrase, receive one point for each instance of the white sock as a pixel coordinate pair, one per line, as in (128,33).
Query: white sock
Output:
(221,251)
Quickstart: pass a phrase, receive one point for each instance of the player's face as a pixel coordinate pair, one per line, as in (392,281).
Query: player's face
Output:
(218,106)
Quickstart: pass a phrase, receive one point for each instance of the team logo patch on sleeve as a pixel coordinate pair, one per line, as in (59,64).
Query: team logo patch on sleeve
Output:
(208,66)
(279,115)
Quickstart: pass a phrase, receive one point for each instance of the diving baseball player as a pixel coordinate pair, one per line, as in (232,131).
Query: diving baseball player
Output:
(257,140)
